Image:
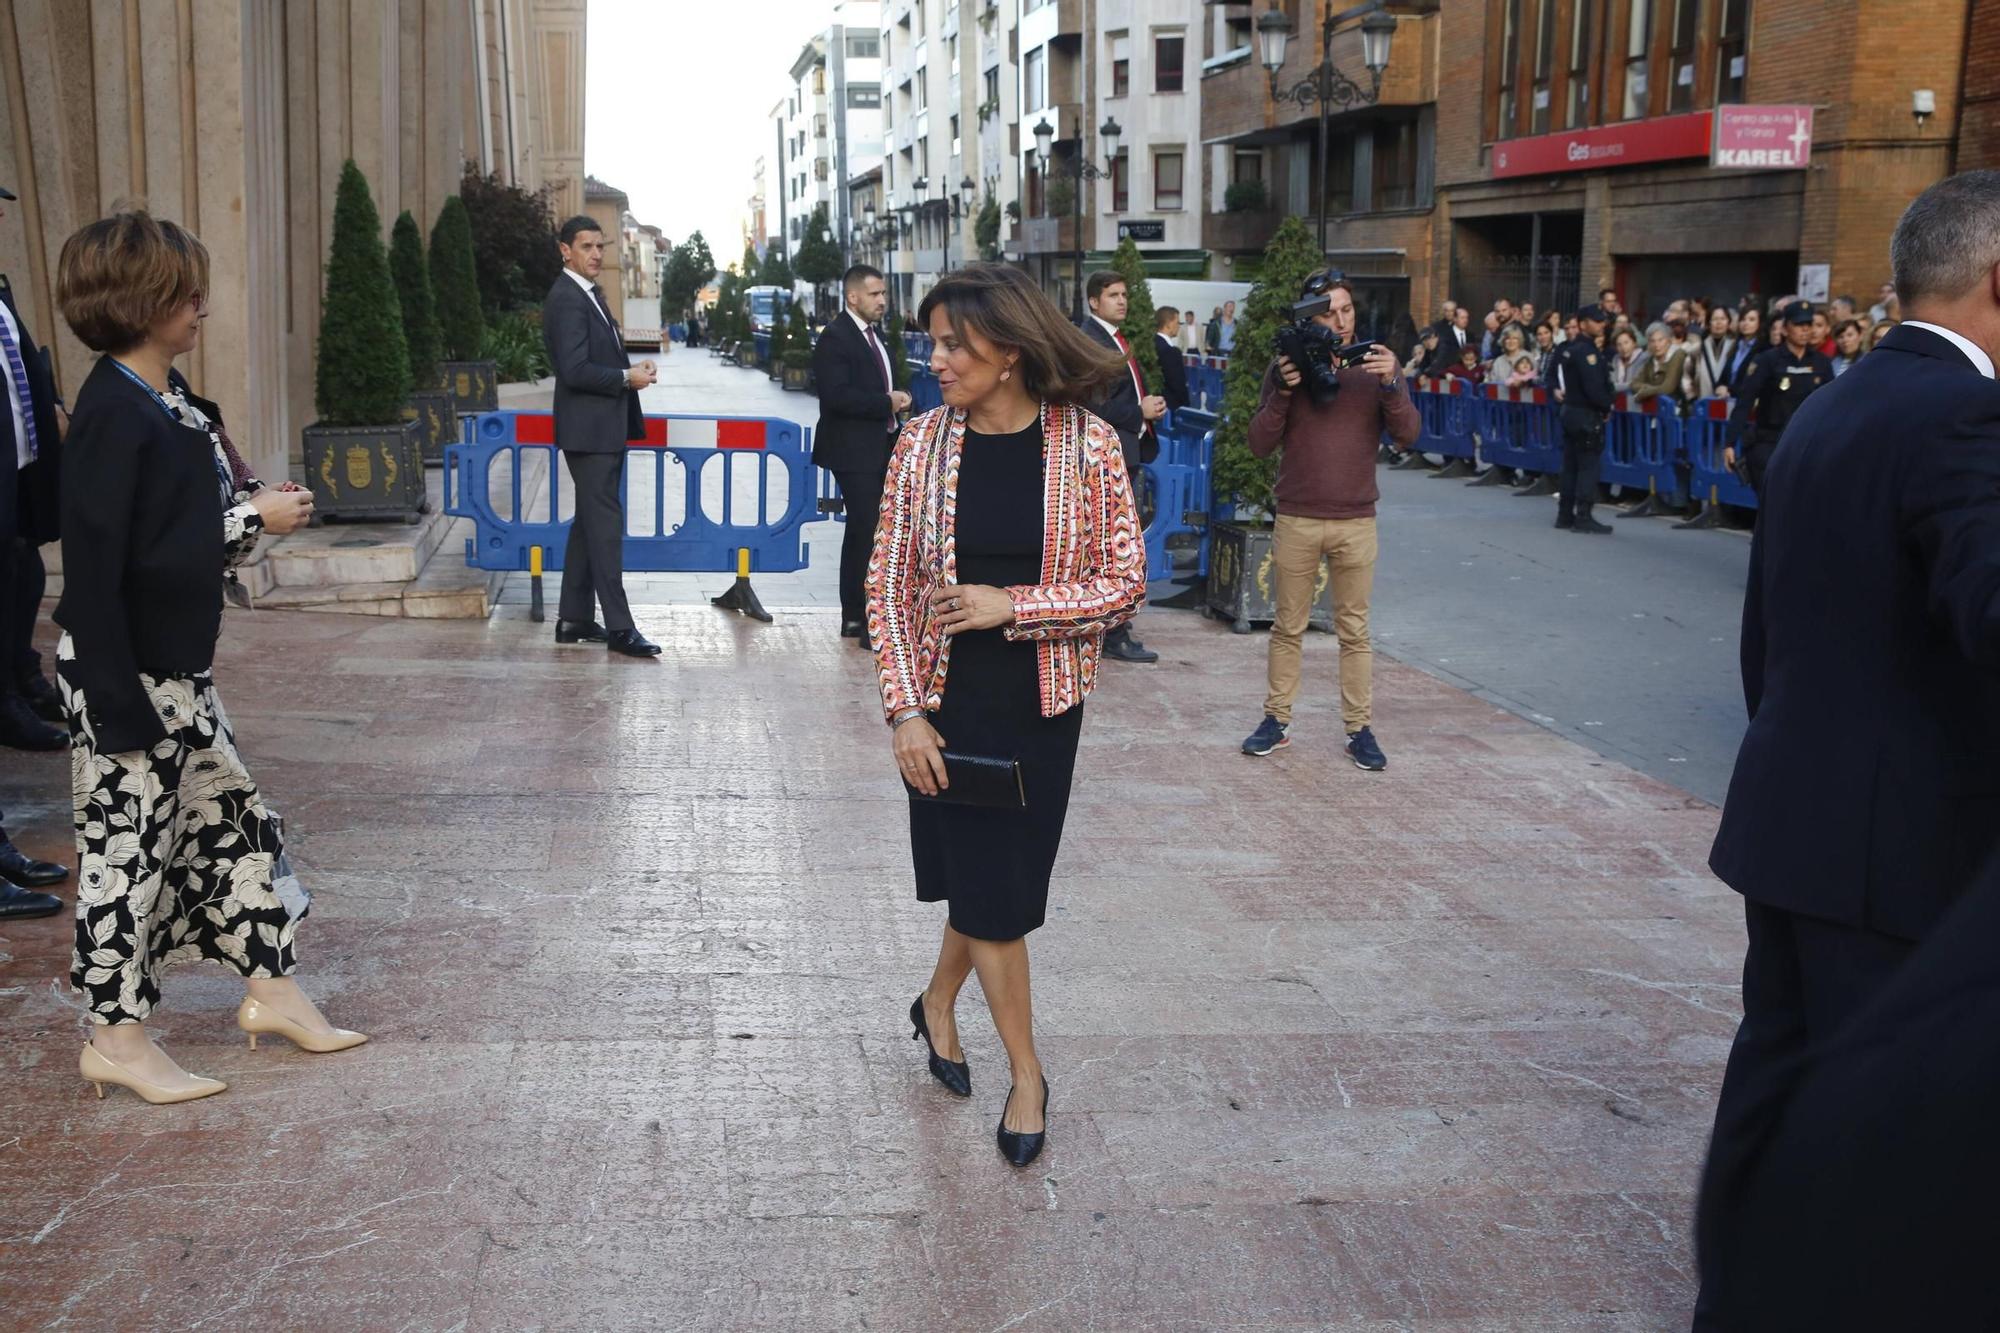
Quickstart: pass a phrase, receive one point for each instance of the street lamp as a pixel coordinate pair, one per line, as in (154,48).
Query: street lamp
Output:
(1325,85)
(1082,169)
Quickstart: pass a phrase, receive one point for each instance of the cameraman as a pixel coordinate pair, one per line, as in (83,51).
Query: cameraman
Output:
(1326,495)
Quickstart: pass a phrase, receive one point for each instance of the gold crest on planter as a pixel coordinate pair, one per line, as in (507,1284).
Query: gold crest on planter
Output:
(388,468)
(326,474)
(464,387)
(360,471)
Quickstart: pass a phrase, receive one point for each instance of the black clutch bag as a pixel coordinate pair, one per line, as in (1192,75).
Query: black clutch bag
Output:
(979,779)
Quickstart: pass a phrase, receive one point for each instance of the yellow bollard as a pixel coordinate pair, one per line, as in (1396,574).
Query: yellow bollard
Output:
(536,612)
(742,562)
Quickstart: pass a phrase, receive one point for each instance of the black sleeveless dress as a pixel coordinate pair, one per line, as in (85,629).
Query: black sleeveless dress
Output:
(992,866)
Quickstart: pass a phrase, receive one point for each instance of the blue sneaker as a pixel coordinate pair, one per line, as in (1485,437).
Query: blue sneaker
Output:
(1365,753)
(1270,735)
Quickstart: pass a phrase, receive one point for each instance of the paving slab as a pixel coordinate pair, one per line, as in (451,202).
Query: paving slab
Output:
(1433,1048)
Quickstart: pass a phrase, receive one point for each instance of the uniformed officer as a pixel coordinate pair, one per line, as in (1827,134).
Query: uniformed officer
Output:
(1772,386)
(1583,387)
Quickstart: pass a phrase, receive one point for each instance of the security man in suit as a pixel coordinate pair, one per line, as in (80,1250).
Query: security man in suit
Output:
(597,412)
(859,405)
(33,423)
(1173,366)
(1583,387)
(1770,392)
(1863,804)
(1130,410)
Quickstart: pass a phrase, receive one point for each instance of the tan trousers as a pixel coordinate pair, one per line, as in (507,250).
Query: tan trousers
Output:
(1347,546)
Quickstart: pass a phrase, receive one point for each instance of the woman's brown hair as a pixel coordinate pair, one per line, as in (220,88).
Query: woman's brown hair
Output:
(1058,361)
(119,275)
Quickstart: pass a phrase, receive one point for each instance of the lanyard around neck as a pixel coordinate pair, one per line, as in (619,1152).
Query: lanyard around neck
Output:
(157,397)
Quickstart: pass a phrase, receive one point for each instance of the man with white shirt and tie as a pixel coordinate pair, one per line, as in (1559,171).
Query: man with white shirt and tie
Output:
(859,405)
(1129,409)
(597,413)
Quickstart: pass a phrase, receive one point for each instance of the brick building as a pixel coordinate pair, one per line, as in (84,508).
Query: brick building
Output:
(1513,108)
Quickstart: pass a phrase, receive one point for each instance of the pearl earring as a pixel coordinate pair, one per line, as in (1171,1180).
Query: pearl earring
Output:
(1006,374)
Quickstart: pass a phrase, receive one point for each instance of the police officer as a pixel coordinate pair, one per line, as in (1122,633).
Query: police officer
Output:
(1772,386)
(1583,387)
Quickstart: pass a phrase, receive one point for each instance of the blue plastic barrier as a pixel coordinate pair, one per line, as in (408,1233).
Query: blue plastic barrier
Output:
(694,540)
(924,393)
(1519,428)
(1205,383)
(1641,443)
(1450,417)
(1702,437)
(1178,485)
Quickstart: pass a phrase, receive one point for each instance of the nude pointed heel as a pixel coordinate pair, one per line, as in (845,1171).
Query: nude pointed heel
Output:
(99,1069)
(255,1018)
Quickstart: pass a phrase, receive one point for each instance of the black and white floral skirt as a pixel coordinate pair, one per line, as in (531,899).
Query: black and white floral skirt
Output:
(179,857)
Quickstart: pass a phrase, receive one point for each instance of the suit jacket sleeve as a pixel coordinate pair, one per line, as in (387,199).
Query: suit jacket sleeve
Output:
(1950,511)
(1751,647)
(837,373)
(1112,583)
(1115,404)
(567,338)
(105,446)
(1173,371)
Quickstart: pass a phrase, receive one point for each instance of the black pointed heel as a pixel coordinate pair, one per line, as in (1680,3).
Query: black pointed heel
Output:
(1021,1149)
(957,1077)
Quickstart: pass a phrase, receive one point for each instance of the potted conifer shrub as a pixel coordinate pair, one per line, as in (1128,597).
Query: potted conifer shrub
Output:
(364,460)
(471,380)
(429,406)
(798,357)
(1240,584)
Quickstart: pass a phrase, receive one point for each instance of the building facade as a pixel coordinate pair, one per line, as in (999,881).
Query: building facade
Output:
(829,125)
(233,119)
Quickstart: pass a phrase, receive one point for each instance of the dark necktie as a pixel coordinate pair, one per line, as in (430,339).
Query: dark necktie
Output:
(604,306)
(881,358)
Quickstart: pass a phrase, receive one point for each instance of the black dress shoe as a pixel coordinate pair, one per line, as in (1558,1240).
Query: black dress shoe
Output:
(26,902)
(1591,527)
(853,629)
(1123,647)
(631,643)
(572,631)
(20,729)
(17,867)
(43,698)
(956,1076)
(1021,1149)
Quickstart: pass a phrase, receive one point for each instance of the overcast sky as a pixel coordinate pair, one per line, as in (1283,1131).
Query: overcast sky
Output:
(677,102)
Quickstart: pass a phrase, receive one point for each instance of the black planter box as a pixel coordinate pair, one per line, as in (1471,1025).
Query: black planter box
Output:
(362,472)
(437,422)
(797,378)
(1242,580)
(474,386)
(746,355)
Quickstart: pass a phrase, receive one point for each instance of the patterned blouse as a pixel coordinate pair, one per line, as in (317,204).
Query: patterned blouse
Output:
(1093,558)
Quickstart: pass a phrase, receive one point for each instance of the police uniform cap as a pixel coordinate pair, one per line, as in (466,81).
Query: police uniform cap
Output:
(1798,312)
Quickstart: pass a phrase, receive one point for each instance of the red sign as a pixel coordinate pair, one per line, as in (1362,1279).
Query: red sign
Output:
(1764,137)
(1625,145)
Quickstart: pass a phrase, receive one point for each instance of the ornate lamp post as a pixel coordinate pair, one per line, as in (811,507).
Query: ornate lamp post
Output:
(1326,85)
(1082,169)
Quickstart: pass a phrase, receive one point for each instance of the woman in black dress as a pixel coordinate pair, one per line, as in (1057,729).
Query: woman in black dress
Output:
(1008,546)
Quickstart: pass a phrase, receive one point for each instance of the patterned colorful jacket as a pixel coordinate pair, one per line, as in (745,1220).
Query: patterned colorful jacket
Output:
(1093,558)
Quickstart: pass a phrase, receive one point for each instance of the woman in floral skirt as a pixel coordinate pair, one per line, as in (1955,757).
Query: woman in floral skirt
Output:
(179,856)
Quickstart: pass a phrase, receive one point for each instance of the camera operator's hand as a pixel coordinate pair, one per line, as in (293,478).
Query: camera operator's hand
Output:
(1152,407)
(1288,373)
(1381,362)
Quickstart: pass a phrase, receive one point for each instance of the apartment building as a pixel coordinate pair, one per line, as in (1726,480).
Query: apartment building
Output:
(828,126)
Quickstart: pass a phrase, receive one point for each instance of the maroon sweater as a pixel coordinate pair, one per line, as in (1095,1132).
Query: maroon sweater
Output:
(1328,468)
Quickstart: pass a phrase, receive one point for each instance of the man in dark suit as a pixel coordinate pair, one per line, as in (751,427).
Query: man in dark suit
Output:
(1173,366)
(33,423)
(1129,409)
(1864,798)
(859,404)
(597,411)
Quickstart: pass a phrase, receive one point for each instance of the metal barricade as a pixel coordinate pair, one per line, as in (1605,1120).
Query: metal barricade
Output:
(1709,481)
(1641,444)
(1519,429)
(695,524)
(1450,422)
(1175,488)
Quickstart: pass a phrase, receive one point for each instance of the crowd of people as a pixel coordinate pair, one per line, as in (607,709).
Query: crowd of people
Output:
(1697,347)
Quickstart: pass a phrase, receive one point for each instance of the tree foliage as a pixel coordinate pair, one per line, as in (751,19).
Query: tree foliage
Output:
(1291,256)
(986,229)
(780,338)
(728,324)
(818,261)
(513,241)
(899,351)
(774,271)
(689,267)
(1138,325)
(455,283)
(363,376)
(798,339)
(413,291)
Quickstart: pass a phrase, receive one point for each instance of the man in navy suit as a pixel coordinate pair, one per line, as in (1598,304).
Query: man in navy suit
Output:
(1130,410)
(1867,790)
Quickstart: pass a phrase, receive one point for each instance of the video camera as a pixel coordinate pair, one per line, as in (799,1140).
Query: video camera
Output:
(1314,348)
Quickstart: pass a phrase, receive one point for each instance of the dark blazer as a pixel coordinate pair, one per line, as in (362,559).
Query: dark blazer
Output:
(1173,372)
(595,412)
(142,552)
(856,423)
(1119,405)
(1867,790)
(31,497)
